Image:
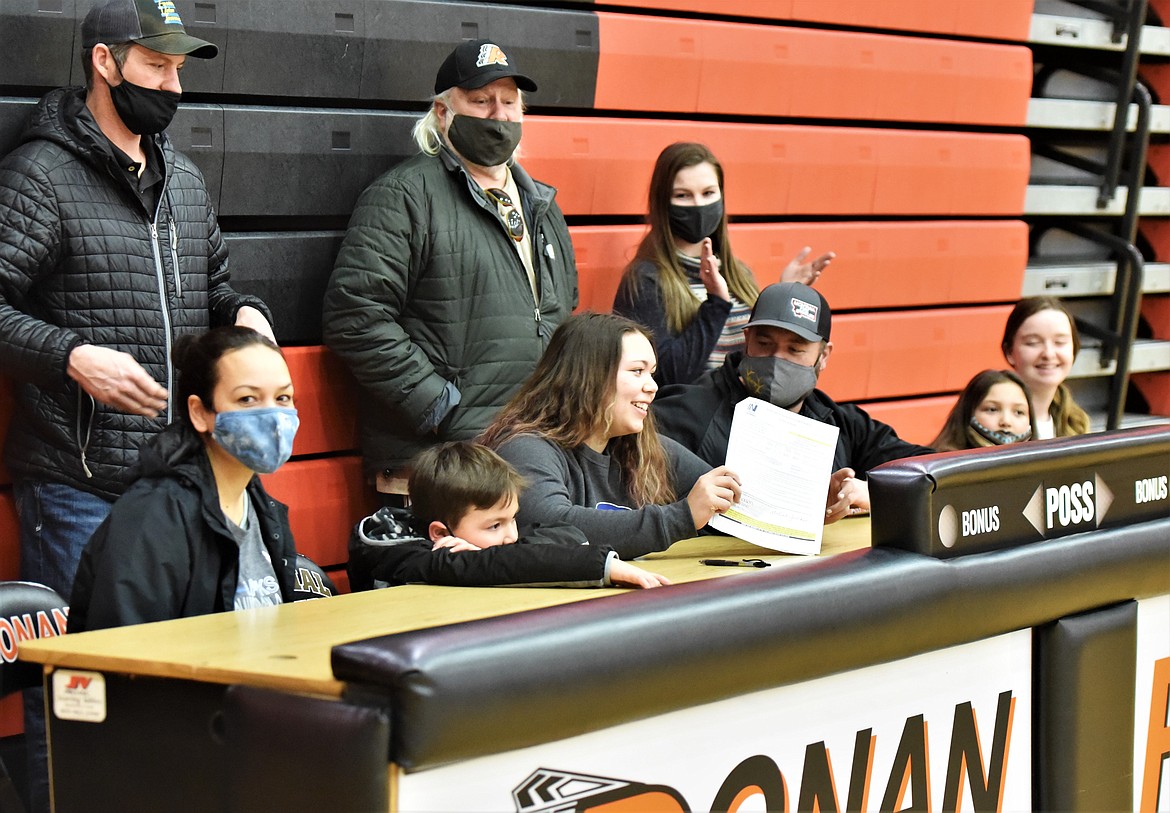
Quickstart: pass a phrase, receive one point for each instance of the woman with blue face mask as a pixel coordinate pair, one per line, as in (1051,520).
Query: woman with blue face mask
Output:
(684,284)
(196,532)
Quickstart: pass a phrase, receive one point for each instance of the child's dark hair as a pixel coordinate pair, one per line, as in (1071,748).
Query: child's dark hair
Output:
(449,480)
(196,357)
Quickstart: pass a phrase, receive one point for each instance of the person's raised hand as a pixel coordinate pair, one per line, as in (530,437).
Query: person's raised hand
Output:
(710,272)
(116,379)
(712,494)
(802,269)
(625,574)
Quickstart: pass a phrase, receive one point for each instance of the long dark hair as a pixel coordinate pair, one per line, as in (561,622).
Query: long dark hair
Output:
(1067,416)
(196,357)
(954,434)
(658,246)
(569,396)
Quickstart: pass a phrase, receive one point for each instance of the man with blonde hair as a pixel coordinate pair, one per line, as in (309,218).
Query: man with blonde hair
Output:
(454,271)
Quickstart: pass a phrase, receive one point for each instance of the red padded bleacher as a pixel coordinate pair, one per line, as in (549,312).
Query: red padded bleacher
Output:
(673,65)
(898,264)
(326,493)
(602,166)
(878,265)
(1155,388)
(992,19)
(325,394)
(325,497)
(917,420)
(889,355)
(1156,311)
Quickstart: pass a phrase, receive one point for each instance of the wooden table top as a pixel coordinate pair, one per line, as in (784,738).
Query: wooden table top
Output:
(288,647)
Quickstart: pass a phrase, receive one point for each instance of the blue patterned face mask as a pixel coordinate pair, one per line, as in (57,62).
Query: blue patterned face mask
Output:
(261,439)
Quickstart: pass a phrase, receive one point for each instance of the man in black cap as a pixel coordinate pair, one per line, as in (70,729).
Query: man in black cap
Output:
(454,272)
(786,348)
(109,249)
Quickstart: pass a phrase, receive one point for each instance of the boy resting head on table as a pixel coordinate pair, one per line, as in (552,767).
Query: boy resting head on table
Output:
(461,531)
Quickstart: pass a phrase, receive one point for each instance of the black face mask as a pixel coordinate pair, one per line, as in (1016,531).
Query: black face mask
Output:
(484,142)
(144,111)
(692,224)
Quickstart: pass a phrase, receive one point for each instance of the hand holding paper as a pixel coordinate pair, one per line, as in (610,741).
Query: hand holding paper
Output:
(713,493)
(784,461)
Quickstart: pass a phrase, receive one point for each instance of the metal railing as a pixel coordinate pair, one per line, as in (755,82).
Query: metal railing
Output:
(1124,164)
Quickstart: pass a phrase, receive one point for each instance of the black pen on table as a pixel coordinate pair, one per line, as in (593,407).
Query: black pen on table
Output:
(735,562)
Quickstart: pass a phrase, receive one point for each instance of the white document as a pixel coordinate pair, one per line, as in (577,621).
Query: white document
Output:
(784,462)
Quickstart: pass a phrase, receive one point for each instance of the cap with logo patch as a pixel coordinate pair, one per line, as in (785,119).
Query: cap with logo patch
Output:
(795,307)
(153,24)
(476,63)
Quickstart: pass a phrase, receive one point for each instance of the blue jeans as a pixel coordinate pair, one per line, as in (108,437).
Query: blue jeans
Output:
(56,521)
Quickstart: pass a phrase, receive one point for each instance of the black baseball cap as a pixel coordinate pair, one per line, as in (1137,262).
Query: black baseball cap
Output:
(476,63)
(795,307)
(153,24)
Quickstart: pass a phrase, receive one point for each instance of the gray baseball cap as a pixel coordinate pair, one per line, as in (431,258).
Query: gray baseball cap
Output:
(795,307)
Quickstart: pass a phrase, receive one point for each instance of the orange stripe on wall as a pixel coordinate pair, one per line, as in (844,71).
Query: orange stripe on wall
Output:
(993,19)
(888,355)
(878,265)
(602,166)
(692,65)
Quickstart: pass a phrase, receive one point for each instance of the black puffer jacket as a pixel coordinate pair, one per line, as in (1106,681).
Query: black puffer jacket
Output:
(83,262)
(428,289)
(166,551)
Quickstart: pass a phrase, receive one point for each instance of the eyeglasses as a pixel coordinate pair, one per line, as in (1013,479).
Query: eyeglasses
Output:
(512,218)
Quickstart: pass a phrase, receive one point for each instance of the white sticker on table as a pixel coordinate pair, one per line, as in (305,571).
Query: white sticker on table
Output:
(79,696)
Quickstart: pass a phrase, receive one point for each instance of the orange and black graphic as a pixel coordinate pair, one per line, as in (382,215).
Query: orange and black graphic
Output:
(971,770)
(547,790)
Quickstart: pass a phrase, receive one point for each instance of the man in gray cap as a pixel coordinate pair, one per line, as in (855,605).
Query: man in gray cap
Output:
(786,348)
(454,272)
(109,249)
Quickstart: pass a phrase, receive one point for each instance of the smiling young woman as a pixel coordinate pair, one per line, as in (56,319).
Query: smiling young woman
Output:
(581,433)
(1041,342)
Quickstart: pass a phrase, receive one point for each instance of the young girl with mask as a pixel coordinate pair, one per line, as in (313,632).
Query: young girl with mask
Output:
(1041,342)
(196,533)
(994,409)
(581,435)
(684,283)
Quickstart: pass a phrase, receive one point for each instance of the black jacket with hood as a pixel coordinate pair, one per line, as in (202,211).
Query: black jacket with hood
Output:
(84,261)
(699,417)
(385,549)
(166,551)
